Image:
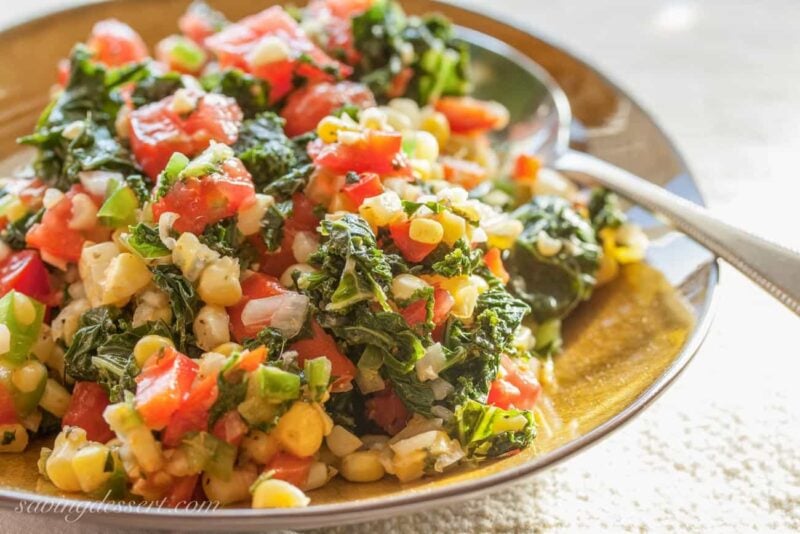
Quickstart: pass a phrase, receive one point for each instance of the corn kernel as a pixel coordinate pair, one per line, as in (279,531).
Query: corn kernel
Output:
(287,278)
(373,119)
(249,219)
(318,475)
(454,227)
(382,210)
(89,464)
(362,466)
(148,346)
(342,442)
(260,446)
(503,233)
(300,430)
(29,377)
(328,129)
(235,489)
(191,256)
(548,246)
(55,398)
(92,266)
(24,310)
(126,275)
(426,146)
(211,327)
(436,123)
(84,212)
(410,466)
(274,493)
(13,209)
(426,231)
(226,349)
(219,283)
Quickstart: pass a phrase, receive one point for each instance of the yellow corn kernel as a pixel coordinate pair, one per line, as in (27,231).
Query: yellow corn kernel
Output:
(219,283)
(382,210)
(235,489)
(89,464)
(465,295)
(13,438)
(14,209)
(260,446)
(211,327)
(373,119)
(24,310)
(426,231)
(226,349)
(92,266)
(423,169)
(149,345)
(328,129)
(274,493)
(55,398)
(191,256)
(126,275)
(454,227)
(300,430)
(362,466)
(426,146)
(342,442)
(319,474)
(410,466)
(504,233)
(436,123)
(29,377)
(249,219)
(58,466)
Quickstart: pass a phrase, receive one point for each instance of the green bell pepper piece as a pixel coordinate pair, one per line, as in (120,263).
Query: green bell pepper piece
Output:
(23,334)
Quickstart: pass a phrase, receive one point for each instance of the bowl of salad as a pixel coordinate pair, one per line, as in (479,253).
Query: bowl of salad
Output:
(272,266)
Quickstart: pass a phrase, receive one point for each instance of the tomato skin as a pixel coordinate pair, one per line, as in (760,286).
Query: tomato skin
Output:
(85,410)
(255,286)
(182,491)
(157,131)
(230,428)
(494,262)
(53,236)
(163,385)
(25,272)
(323,344)
(413,251)
(517,388)
(290,468)
(468,115)
(416,312)
(8,414)
(209,199)
(387,411)
(235,44)
(378,152)
(369,185)
(306,107)
(114,43)
(526,167)
(467,174)
(192,415)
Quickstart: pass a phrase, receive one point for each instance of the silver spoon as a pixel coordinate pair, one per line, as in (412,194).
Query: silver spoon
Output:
(546,109)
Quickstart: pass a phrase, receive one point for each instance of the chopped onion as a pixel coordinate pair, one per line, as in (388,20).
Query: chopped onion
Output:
(446,458)
(417,425)
(441,389)
(165,223)
(431,363)
(304,245)
(286,313)
(96,182)
(415,443)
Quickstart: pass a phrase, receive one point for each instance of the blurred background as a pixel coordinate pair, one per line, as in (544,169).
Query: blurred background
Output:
(720,451)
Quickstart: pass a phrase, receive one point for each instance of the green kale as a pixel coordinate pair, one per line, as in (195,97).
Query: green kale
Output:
(266,151)
(389,43)
(605,210)
(145,241)
(352,268)
(460,260)
(251,93)
(271,338)
(14,233)
(155,86)
(490,432)
(273,222)
(553,285)
(223,237)
(184,302)
(91,96)
(287,185)
(231,394)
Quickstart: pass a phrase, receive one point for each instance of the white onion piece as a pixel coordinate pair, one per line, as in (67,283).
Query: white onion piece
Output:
(415,443)
(441,389)
(304,245)
(431,363)
(286,313)
(165,223)
(96,182)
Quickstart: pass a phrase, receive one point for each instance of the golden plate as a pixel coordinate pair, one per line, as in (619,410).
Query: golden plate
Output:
(622,349)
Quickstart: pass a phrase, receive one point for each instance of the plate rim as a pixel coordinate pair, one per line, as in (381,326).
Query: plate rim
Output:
(368,509)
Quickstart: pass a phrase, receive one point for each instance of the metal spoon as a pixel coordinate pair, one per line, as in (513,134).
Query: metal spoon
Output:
(543,108)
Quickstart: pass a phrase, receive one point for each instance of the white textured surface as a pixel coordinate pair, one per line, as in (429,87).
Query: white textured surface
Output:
(720,451)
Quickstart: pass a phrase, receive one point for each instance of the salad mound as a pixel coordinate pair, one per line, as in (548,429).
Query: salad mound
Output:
(282,250)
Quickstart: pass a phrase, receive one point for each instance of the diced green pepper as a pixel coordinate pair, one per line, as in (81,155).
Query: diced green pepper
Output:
(277,385)
(186,54)
(119,209)
(318,375)
(23,317)
(205,452)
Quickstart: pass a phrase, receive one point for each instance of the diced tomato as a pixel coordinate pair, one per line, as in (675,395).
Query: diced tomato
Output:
(400,83)
(158,131)
(517,388)
(303,219)
(378,152)
(335,16)
(237,46)
(209,199)
(307,107)
(163,385)
(369,185)
(290,468)
(192,415)
(387,411)
(200,22)
(346,9)
(8,415)
(255,286)
(413,251)
(230,428)
(85,410)
(53,236)
(494,261)
(181,492)
(468,115)
(62,72)
(25,272)
(114,43)
(526,167)
(416,312)
(322,344)
(467,174)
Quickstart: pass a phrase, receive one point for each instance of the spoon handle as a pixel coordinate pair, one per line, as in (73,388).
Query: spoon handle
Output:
(773,267)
